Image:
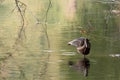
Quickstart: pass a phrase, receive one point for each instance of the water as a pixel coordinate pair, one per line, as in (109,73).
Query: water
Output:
(40,51)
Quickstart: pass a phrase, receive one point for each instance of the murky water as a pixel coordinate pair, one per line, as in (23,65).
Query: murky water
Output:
(35,47)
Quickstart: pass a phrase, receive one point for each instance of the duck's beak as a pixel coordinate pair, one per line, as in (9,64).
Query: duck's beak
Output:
(69,43)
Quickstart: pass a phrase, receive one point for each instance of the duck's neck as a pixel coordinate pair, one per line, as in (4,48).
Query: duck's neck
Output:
(81,47)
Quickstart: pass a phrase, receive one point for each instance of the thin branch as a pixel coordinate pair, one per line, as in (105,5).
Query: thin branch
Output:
(21,12)
(45,25)
(46,14)
(46,33)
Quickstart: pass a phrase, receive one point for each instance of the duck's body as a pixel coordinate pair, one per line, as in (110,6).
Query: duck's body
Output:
(82,44)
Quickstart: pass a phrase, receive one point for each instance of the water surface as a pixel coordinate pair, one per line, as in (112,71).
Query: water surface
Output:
(39,50)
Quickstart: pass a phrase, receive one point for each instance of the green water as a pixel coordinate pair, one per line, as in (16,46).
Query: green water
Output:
(40,51)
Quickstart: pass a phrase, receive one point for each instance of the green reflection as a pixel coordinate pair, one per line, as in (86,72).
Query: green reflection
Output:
(99,24)
(44,54)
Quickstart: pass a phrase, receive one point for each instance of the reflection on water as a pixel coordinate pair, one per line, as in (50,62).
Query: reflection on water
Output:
(41,51)
(81,65)
(70,9)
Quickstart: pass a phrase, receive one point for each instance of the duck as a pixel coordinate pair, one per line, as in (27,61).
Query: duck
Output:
(82,45)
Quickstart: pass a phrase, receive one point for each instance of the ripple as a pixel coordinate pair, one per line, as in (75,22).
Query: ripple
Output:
(114,55)
(49,51)
(68,53)
(58,61)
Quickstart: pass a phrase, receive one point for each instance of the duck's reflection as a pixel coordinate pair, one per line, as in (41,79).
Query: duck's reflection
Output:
(81,65)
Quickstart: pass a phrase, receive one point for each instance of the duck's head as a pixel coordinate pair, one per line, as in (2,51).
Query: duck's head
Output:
(77,42)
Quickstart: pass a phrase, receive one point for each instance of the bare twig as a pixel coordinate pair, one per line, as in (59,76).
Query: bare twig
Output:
(45,66)
(44,25)
(46,14)
(46,33)
(21,11)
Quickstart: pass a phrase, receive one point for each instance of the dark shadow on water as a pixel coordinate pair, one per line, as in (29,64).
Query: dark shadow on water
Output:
(81,65)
